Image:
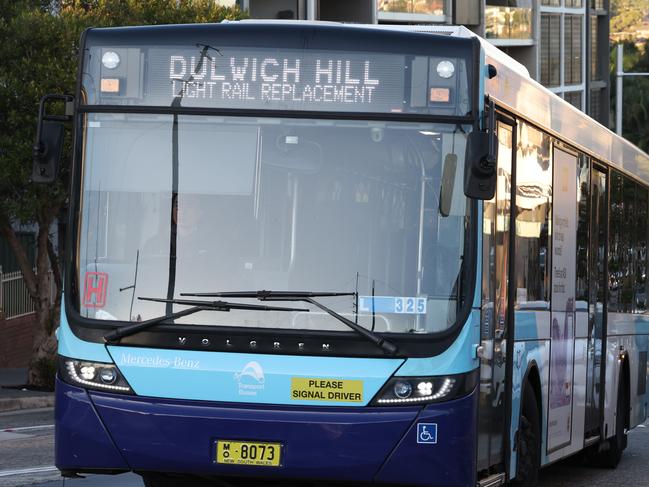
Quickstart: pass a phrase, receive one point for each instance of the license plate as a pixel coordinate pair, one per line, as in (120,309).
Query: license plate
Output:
(261,454)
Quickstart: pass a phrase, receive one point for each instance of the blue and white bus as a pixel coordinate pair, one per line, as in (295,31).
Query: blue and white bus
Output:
(338,253)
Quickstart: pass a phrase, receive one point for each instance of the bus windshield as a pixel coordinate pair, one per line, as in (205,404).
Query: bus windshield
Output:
(176,204)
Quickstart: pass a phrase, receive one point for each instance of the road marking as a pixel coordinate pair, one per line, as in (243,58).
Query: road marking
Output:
(26,471)
(26,412)
(27,428)
(6,436)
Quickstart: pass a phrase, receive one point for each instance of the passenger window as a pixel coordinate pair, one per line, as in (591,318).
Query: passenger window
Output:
(615,244)
(533,206)
(640,224)
(583,196)
(627,245)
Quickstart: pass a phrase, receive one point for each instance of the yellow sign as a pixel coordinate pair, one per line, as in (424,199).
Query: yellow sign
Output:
(334,390)
(261,454)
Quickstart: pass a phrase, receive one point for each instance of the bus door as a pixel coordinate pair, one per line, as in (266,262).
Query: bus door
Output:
(597,285)
(562,325)
(495,307)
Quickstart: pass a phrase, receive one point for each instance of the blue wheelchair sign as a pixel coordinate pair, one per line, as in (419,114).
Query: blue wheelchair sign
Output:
(427,433)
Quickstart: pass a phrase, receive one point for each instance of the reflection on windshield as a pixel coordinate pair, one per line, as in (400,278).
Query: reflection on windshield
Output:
(278,204)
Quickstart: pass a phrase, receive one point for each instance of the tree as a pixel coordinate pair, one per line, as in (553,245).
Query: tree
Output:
(627,16)
(39,56)
(635,121)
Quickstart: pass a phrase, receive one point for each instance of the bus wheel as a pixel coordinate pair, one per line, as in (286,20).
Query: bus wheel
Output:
(160,480)
(528,448)
(611,457)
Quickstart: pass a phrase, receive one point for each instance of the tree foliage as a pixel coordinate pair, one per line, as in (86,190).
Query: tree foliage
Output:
(39,53)
(628,15)
(635,122)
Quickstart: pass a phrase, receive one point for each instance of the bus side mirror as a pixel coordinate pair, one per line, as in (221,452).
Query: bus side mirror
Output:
(49,141)
(481,160)
(47,152)
(480,170)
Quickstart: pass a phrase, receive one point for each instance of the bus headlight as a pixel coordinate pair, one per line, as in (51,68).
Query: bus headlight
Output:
(108,375)
(404,391)
(93,375)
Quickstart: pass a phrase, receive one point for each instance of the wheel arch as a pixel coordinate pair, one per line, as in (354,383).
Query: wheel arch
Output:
(533,378)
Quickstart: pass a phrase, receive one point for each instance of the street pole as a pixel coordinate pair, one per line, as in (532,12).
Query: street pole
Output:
(311,8)
(620,74)
(618,88)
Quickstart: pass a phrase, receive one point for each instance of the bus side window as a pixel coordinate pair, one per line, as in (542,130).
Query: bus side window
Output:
(640,225)
(583,192)
(533,209)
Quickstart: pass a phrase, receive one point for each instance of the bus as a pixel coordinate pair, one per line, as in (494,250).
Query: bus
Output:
(326,253)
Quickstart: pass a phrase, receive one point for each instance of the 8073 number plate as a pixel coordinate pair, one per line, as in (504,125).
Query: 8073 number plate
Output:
(261,454)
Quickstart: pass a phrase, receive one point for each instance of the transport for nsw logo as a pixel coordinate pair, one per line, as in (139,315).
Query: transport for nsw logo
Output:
(251,379)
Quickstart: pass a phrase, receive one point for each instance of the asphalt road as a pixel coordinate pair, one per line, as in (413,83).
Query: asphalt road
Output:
(27,458)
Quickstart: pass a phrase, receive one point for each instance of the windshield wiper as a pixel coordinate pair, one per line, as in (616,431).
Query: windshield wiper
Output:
(196,306)
(267,295)
(307,297)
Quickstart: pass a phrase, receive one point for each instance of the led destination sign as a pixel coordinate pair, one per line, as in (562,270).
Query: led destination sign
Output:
(298,81)
(273,79)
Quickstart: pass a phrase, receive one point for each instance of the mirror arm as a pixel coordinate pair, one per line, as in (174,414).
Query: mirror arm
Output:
(38,149)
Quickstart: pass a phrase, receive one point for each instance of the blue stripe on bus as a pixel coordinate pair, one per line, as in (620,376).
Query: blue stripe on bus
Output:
(220,368)
(456,359)
(73,347)
(532,324)
(244,377)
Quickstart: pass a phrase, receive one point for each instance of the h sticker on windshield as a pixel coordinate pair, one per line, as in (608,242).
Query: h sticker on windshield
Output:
(427,433)
(94,289)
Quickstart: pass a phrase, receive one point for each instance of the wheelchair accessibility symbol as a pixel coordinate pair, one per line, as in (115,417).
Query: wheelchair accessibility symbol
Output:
(427,433)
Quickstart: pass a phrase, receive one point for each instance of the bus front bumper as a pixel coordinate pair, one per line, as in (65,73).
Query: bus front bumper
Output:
(97,432)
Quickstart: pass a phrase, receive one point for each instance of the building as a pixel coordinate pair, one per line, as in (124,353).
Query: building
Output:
(563,43)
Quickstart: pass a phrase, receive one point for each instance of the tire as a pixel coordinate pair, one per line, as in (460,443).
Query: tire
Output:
(617,444)
(528,447)
(160,480)
(154,480)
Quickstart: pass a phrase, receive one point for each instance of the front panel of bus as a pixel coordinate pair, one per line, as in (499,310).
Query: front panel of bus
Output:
(273,264)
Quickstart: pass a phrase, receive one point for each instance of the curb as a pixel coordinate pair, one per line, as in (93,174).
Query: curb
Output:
(33,402)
